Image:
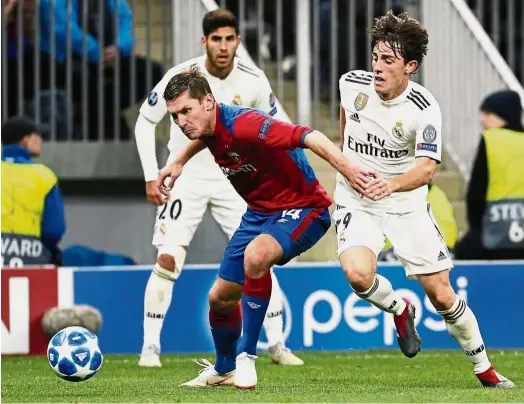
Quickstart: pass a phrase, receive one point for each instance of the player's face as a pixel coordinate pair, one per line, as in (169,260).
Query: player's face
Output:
(194,117)
(221,46)
(391,71)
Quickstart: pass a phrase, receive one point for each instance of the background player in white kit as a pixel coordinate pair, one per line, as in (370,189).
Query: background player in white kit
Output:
(392,127)
(202,184)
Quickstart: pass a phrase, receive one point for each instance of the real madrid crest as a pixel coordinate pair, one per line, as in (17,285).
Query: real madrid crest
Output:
(235,156)
(361,101)
(398,130)
(236,100)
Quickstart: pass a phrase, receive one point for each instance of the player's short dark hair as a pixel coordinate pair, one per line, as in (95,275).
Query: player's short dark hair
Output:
(406,35)
(219,18)
(192,81)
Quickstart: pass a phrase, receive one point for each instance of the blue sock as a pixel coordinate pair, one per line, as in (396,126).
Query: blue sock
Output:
(225,329)
(255,300)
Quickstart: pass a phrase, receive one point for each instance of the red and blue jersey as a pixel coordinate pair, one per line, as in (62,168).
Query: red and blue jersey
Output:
(264,160)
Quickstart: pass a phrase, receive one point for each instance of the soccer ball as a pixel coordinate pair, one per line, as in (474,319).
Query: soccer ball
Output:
(74,355)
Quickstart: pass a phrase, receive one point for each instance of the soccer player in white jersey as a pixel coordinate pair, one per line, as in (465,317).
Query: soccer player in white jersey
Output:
(391,127)
(203,184)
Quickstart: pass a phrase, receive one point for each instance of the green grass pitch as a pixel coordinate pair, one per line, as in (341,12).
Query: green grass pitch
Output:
(374,376)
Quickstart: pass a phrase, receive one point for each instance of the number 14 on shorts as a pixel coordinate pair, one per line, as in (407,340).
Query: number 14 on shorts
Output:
(293,213)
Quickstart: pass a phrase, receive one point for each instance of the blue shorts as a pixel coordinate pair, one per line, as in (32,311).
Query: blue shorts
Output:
(296,230)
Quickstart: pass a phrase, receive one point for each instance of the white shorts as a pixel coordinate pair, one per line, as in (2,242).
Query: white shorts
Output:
(415,236)
(177,220)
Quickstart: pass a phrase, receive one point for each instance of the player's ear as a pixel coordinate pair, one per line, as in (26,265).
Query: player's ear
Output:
(203,40)
(209,102)
(411,66)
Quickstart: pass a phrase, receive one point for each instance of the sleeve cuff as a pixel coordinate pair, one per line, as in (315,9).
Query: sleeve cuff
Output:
(437,159)
(151,175)
(303,137)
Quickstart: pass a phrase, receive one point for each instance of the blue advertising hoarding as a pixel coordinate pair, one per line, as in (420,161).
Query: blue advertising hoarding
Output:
(320,310)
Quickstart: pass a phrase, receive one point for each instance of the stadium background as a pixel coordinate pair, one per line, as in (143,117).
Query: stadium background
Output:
(102,179)
(476,47)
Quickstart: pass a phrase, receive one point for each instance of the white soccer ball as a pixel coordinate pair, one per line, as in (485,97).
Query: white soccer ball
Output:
(74,355)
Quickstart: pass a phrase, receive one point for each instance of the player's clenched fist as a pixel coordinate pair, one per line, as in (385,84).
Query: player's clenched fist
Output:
(170,173)
(153,194)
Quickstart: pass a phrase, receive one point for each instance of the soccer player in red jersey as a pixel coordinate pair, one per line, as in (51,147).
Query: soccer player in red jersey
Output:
(287,210)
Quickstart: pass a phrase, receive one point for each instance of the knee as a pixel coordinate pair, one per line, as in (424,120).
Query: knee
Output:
(360,280)
(170,261)
(257,261)
(359,271)
(166,262)
(442,297)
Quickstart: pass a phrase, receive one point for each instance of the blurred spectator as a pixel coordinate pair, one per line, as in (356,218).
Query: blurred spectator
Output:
(33,221)
(30,60)
(444,216)
(103,45)
(495,197)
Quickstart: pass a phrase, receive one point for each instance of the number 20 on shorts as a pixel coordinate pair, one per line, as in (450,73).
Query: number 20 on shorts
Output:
(174,211)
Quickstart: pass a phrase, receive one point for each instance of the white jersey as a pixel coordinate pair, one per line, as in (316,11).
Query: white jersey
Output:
(246,85)
(386,137)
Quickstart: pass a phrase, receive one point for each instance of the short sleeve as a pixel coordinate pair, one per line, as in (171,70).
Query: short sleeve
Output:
(428,138)
(255,127)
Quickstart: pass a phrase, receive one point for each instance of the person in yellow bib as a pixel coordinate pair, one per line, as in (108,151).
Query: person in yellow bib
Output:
(495,197)
(33,221)
(444,217)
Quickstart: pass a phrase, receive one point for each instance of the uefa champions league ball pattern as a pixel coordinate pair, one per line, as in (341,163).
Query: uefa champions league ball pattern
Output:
(74,355)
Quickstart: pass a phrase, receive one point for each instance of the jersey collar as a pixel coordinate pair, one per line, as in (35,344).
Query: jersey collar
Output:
(399,99)
(202,66)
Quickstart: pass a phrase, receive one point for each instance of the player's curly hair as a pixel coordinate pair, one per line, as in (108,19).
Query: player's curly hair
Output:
(404,34)
(191,80)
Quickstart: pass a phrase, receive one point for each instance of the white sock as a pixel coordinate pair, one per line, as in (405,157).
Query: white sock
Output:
(462,325)
(159,291)
(273,323)
(382,295)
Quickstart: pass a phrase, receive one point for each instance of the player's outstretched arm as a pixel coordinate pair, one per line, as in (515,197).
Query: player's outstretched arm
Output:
(417,177)
(173,170)
(319,144)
